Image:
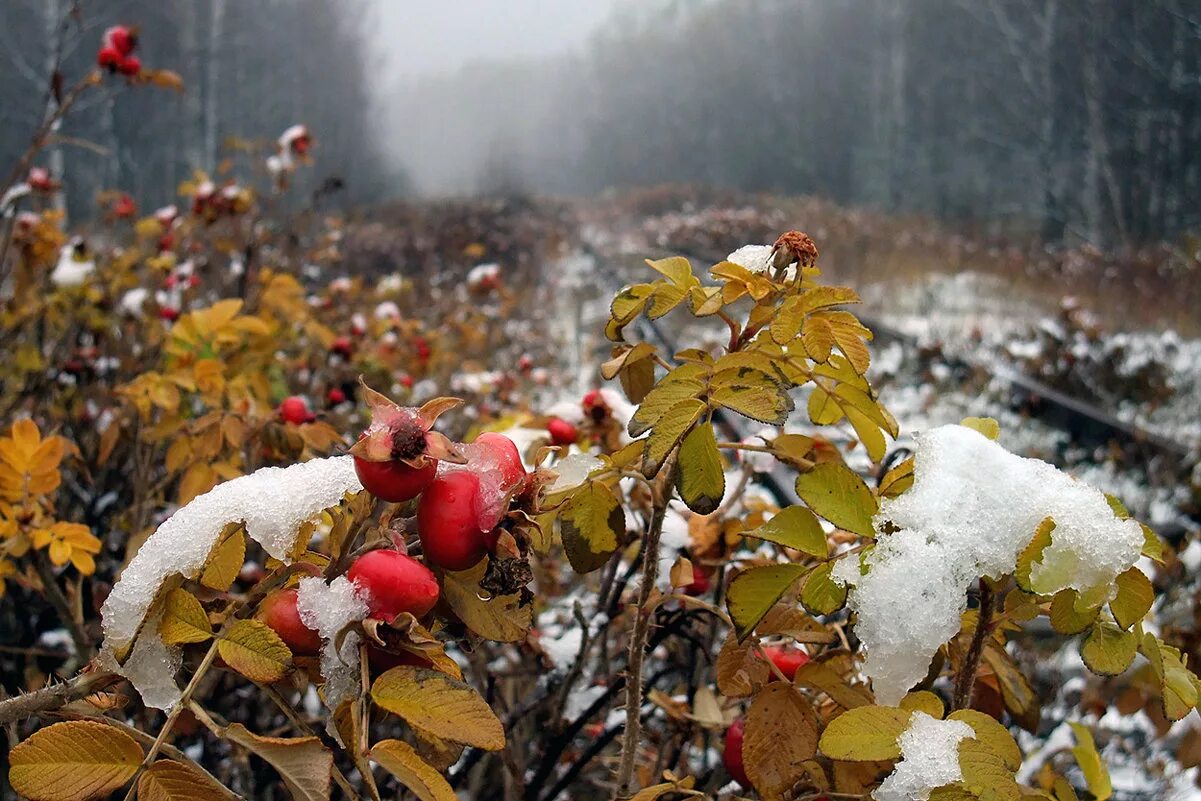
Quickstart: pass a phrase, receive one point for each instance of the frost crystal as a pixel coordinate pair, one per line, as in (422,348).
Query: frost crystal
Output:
(930,758)
(972,509)
(272,502)
(329,608)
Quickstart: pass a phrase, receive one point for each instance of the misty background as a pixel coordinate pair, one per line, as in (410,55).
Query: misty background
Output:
(1069,120)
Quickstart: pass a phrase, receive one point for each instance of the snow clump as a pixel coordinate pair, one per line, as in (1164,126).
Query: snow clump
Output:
(971,511)
(929,759)
(327,609)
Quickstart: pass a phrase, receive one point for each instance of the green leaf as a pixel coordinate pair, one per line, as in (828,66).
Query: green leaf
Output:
(1152,545)
(1096,775)
(1134,598)
(835,492)
(1108,650)
(822,595)
(794,527)
(592,524)
(668,432)
(1066,615)
(753,592)
(865,734)
(700,479)
(673,388)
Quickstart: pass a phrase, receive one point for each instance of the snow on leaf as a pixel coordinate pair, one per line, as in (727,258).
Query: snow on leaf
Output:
(272,502)
(929,758)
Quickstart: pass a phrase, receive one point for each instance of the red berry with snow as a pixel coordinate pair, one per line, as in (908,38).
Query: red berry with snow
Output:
(394,583)
(121,39)
(448,522)
(295,410)
(279,611)
(731,755)
(507,456)
(562,432)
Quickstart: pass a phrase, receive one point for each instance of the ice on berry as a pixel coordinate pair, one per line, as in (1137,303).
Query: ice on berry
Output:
(328,609)
(929,759)
(272,502)
(493,498)
(972,509)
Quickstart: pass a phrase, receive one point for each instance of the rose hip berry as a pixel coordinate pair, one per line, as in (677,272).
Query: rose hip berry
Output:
(279,611)
(731,755)
(294,410)
(447,521)
(394,583)
(507,455)
(561,432)
(789,661)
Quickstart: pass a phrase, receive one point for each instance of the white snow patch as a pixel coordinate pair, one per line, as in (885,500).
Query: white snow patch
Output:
(929,759)
(756,258)
(971,511)
(329,608)
(272,502)
(574,470)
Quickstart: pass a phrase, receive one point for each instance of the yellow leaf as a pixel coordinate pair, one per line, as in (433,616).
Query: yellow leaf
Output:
(73,761)
(924,701)
(592,523)
(1032,554)
(1134,597)
(985,425)
(839,495)
(794,527)
(1108,650)
(438,704)
(820,676)
(198,479)
(501,618)
(676,269)
(753,592)
(668,432)
(168,780)
(700,479)
(676,387)
(302,762)
(985,773)
(414,773)
(184,619)
(781,733)
(865,734)
(992,734)
(817,337)
(822,595)
(226,559)
(765,402)
(254,650)
(1096,775)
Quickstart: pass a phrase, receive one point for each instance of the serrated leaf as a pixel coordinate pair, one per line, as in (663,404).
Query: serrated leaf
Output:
(924,701)
(1096,775)
(993,734)
(253,649)
(820,676)
(794,527)
(666,297)
(73,761)
(822,595)
(897,480)
(835,492)
(823,409)
(592,524)
(1152,545)
(184,619)
(821,297)
(1032,554)
(985,772)
(700,479)
(780,735)
(753,592)
(440,705)
(1178,686)
(869,434)
(638,379)
(763,402)
(623,357)
(817,338)
(676,269)
(671,390)
(1108,650)
(668,432)
(740,670)
(225,562)
(168,780)
(629,302)
(414,773)
(787,322)
(1067,617)
(1134,597)
(865,734)
(302,762)
(502,618)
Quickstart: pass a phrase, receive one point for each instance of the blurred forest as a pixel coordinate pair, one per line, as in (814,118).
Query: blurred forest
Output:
(1076,120)
(250,70)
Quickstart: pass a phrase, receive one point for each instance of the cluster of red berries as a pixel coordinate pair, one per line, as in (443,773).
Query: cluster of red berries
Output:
(116,51)
(39,180)
(210,201)
(123,207)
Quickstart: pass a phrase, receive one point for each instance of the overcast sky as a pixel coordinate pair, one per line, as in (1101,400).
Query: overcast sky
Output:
(417,37)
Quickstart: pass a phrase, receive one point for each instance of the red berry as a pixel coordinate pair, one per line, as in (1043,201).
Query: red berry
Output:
(406,381)
(120,39)
(294,410)
(124,207)
(447,521)
(594,406)
(789,661)
(336,396)
(343,347)
(278,610)
(700,582)
(731,755)
(169,313)
(525,364)
(562,432)
(394,481)
(507,456)
(130,65)
(108,58)
(394,583)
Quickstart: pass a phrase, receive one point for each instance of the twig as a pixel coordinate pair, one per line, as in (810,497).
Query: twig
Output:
(62,605)
(53,697)
(650,574)
(966,679)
